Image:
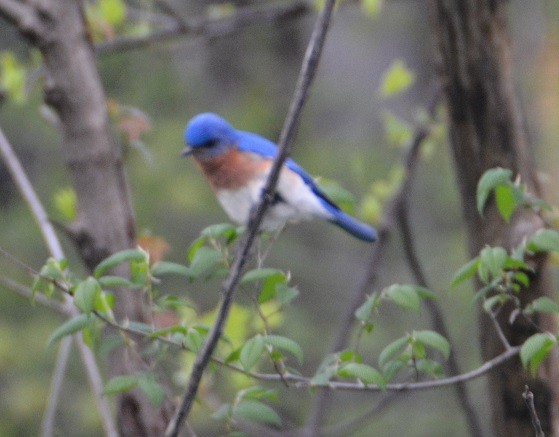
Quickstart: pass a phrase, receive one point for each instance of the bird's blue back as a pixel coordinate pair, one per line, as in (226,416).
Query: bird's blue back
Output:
(254,143)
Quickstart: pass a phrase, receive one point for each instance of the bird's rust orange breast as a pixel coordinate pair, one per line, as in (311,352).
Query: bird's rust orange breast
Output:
(231,170)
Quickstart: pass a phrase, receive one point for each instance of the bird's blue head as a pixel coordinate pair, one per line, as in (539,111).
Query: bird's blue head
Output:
(208,133)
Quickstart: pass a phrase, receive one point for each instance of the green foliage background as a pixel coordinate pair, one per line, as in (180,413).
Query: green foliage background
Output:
(249,78)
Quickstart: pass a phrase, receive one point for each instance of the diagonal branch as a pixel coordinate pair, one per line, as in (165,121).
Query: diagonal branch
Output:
(24,185)
(306,76)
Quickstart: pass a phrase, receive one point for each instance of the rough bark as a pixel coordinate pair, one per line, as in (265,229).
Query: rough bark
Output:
(472,52)
(105,222)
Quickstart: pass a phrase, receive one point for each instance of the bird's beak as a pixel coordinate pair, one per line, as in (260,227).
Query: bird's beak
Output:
(187,151)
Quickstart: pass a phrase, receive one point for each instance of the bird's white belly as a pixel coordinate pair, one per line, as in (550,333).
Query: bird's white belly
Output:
(297,202)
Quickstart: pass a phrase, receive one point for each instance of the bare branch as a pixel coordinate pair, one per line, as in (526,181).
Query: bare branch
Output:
(499,330)
(433,308)
(301,382)
(298,380)
(27,293)
(304,81)
(26,189)
(243,17)
(55,248)
(385,230)
(14,11)
(529,398)
(49,417)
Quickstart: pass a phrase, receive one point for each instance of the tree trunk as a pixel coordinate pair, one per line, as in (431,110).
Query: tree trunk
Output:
(472,52)
(105,221)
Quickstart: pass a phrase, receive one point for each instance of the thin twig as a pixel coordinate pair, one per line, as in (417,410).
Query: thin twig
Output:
(28,293)
(298,380)
(209,27)
(49,416)
(55,248)
(433,308)
(306,76)
(529,399)
(385,230)
(499,330)
(26,189)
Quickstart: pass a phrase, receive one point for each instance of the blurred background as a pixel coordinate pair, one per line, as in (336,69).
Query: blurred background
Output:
(349,132)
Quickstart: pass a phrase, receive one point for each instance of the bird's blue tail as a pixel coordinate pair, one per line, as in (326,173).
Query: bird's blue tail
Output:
(353,226)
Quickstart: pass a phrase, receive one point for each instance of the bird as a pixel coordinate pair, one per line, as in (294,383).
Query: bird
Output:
(236,165)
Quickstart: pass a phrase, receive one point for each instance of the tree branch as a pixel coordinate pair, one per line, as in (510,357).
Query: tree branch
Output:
(298,381)
(529,399)
(49,416)
(304,81)
(437,319)
(388,222)
(55,248)
(243,17)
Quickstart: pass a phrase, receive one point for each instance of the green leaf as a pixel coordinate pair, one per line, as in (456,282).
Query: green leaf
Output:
(429,367)
(492,261)
(261,274)
(118,258)
(372,7)
(544,240)
(285,293)
(153,390)
(251,352)
(543,305)
(505,200)
(86,293)
(194,340)
(170,330)
(161,268)
(66,203)
(250,409)
(365,373)
(398,133)
(404,295)
(105,302)
(425,293)
(434,340)
(392,350)
(139,271)
(116,282)
(113,11)
(349,355)
(535,350)
(206,260)
(396,79)
(221,230)
(13,76)
(270,279)
(69,327)
(285,344)
(487,183)
(327,369)
(364,312)
(489,303)
(258,393)
(120,384)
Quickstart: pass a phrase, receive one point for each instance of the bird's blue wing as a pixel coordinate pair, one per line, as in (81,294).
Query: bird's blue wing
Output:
(254,143)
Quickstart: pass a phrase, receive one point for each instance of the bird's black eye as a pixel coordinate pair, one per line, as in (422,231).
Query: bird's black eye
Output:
(209,144)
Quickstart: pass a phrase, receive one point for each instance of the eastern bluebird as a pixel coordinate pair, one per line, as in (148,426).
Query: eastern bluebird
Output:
(236,165)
